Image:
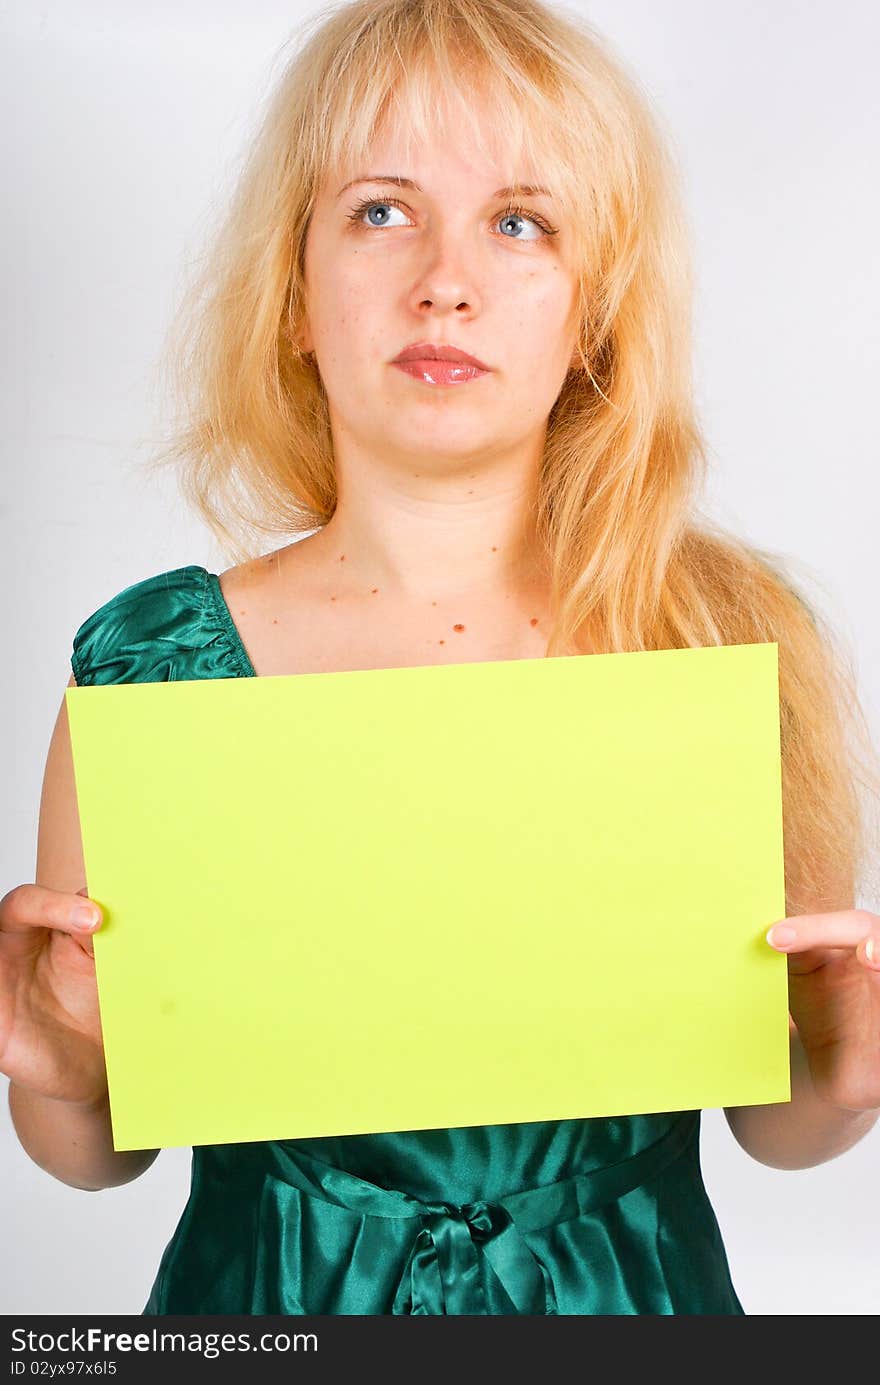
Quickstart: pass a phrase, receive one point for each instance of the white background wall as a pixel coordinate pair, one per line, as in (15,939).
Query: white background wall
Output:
(121,125)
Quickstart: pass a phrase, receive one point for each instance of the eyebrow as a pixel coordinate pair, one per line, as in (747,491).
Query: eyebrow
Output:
(522,190)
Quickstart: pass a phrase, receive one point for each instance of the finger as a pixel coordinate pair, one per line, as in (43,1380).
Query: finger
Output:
(849,928)
(868,951)
(34,906)
(85,941)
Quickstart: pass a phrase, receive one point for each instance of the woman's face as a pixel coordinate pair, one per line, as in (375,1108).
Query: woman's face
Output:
(441,263)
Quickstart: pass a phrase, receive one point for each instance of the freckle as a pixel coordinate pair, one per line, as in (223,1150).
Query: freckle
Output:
(333,598)
(374,590)
(441,641)
(242,613)
(534,620)
(433,603)
(274,620)
(458,627)
(342,558)
(494,549)
(470,492)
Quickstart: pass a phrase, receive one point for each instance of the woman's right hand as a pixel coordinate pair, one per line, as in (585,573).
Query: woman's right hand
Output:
(50,1026)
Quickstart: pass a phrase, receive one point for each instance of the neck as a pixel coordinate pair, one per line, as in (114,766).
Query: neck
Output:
(418,536)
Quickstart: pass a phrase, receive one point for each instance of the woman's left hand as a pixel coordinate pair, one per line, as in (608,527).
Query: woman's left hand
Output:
(834,999)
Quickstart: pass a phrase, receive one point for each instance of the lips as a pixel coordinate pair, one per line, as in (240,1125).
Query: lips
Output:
(428,351)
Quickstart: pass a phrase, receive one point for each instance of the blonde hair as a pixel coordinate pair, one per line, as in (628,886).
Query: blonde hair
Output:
(632,566)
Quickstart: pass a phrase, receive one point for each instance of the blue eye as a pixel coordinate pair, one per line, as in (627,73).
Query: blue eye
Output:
(372,206)
(514,215)
(511,215)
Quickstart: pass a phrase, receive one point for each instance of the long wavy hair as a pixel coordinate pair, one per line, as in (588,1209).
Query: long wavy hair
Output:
(633,564)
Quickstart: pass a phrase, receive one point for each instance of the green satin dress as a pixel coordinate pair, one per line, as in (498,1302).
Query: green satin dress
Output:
(593,1215)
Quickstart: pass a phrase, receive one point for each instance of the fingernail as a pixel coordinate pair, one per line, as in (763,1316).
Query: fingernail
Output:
(781,935)
(871,952)
(84,917)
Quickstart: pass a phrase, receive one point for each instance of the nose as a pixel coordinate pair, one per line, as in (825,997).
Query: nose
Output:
(447,283)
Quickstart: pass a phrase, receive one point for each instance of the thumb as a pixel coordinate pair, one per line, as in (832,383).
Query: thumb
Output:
(86,943)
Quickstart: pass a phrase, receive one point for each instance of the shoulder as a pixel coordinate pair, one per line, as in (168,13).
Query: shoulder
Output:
(281,580)
(140,632)
(260,576)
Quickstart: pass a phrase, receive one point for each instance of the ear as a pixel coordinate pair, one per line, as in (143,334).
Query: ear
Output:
(575,362)
(302,339)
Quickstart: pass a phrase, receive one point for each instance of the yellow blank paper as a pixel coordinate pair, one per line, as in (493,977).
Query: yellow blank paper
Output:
(405,898)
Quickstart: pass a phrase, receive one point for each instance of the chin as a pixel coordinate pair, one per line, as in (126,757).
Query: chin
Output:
(445,440)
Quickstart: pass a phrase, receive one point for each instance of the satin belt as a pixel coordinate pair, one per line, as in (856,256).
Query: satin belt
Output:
(441,1275)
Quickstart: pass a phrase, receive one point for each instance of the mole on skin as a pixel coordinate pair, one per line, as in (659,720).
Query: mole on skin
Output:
(374,590)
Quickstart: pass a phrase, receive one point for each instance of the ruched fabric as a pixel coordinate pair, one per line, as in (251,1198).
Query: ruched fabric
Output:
(600,1215)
